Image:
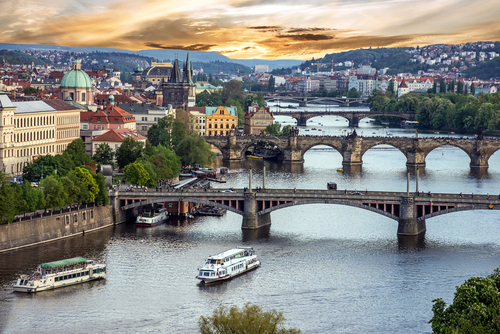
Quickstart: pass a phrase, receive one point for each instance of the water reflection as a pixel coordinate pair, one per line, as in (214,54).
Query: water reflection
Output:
(479,173)
(411,242)
(254,235)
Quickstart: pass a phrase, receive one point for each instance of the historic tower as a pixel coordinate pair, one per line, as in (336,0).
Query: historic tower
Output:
(179,91)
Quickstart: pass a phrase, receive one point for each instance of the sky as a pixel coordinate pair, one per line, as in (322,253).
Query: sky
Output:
(262,29)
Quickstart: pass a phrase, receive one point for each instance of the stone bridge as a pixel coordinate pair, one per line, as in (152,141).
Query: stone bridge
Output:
(352,116)
(410,210)
(352,147)
(303,100)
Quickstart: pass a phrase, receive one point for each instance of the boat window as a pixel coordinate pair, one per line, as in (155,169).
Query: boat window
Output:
(77,274)
(206,273)
(65,277)
(86,273)
(56,279)
(98,270)
(104,269)
(213,261)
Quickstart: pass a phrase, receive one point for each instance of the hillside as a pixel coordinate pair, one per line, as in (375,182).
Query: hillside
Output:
(485,71)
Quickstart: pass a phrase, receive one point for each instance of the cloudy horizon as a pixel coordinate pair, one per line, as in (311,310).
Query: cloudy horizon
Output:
(260,29)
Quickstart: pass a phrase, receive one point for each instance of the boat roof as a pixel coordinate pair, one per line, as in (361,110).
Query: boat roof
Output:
(63,262)
(228,253)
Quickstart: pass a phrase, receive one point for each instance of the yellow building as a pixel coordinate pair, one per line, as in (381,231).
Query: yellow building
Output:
(33,128)
(257,119)
(220,120)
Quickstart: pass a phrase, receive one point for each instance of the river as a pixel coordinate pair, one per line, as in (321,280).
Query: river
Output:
(328,268)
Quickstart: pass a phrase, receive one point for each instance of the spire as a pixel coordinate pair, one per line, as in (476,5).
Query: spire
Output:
(175,77)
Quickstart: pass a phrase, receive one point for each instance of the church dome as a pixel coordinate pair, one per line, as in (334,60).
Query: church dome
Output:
(76,78)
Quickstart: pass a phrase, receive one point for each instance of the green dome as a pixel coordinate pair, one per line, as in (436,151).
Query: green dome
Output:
(76,79)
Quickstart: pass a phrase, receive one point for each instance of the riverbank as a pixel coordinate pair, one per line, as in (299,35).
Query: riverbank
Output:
(53,226)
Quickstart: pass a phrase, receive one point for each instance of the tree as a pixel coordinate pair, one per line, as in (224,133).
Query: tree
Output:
(160,133)
(232,87)
(55,196)
(390,88)
(271,85)
(136,174)
(460,87)
(165,162)
(9,199)
(104,155)
(353,93)
(286,130)
(434,87)
(85,178)
(30,91)
(101,196)
(475,307)
(77,151)
(195,150)
(442,86)
(273,129)
(250,319)
(472,89)
(129,151)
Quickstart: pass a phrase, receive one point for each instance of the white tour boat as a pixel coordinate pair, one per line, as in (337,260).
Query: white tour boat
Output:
(228,264)
(62,273)
(152,216)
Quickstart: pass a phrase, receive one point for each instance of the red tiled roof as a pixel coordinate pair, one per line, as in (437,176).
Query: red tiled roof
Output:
(118,135)
(198,109)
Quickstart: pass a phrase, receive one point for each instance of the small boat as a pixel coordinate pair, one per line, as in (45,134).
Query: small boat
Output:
(320,130)
(211,211)
(337,120)
(152,216)
(307,129)
(59,274)
(340,170)
(254,157)
(313,129)
(228,264)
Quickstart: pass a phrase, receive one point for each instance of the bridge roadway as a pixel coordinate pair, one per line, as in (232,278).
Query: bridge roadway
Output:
(409,210)
(353,116)
(352,147)
(303,100)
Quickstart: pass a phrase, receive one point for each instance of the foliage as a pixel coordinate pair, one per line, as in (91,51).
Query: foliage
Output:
(129,151)
(104,155)
(31,199)
(353,93)
(101,196)
(271,84)
(484,70)
(41,167)
(77,152)
(30,91)
(85,178)
(166,164)
(9,199)
(195,150)
(273,129)
(136,174)
(55,196)
(210,99)
(250,319)
(475,307)
(160,133)
(287,129)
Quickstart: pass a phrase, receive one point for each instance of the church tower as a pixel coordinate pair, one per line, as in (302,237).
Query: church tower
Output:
(179,90)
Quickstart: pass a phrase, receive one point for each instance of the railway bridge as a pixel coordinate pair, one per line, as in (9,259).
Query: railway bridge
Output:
(410,210)
(353,147)
(303,100)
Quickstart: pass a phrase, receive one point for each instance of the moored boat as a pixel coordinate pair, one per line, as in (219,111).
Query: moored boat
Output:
(228,264)
(152,216)
(61,273)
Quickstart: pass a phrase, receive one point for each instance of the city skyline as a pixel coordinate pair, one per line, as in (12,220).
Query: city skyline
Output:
(249,29)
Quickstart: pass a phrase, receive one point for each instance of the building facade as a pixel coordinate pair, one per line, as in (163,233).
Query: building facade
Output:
(33,128)
(221,120)
(257,119)
(76,84)
(179,90)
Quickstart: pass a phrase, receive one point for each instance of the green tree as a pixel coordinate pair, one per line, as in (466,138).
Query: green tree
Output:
(250,319)
(273,129)
(31,199)
(75,191)
(30,91)
(232,87)
(166,163)
(271,84)
(442,86)
(77,151)
(434,87)
(160,133)
(390,88)
(353,93)
(101,196)
(129,151)
(41,167)
(286,130)
(472,89)
(136,174)
(9,198)
(104,155)
(475,308)
(84,177)
(195,150)
(460,87)
(55,196)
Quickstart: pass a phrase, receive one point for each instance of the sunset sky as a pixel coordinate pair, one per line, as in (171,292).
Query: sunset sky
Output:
(265,29)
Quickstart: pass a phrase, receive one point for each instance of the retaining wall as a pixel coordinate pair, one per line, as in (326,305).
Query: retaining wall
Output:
(57,226)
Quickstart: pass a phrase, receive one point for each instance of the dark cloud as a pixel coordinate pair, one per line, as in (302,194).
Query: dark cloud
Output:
(192,47)
(267,28)
(306,37)
(296,30)
(248,48)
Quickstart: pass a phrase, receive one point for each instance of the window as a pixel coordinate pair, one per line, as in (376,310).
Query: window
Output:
(75,218)
(91,214)
(67,219)
(84,215)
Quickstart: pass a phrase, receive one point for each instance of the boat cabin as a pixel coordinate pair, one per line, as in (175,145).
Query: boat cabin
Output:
(331,186)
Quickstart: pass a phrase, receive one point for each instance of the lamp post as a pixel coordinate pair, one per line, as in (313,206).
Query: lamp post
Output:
(250,179)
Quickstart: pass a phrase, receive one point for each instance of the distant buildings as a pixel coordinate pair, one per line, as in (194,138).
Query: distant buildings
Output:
(257,119)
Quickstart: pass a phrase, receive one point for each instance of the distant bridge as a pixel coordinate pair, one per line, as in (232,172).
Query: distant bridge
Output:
(410,210)
(353,116)
(303,100)
(352,148)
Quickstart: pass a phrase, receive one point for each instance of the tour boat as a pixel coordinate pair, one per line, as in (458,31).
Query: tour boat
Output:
(59,274)
(228,264)
(152,216)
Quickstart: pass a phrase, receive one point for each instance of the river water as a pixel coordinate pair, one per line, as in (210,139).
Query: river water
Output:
(328,268)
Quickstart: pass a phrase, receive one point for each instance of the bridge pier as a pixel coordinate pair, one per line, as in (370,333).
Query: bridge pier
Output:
(252,221)
(407,222)
(353,121)
(303,104)
(302,120)
(415,158)
(351,151)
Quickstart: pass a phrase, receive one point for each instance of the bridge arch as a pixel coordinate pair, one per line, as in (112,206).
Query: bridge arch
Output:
(306,148)
(369,146)
(328,201)
(470,207)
